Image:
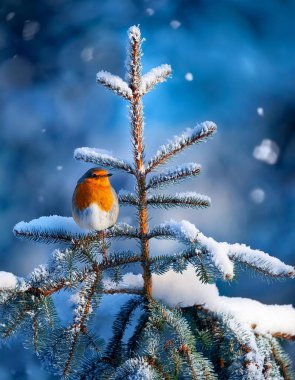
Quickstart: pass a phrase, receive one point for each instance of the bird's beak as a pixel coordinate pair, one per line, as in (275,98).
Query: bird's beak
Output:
(109,175)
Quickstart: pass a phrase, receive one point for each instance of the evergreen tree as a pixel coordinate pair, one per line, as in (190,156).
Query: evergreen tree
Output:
(172,323)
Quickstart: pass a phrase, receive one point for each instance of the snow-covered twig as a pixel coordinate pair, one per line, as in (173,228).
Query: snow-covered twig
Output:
(188,199)
(103,158)
(114,83)
(54,228)
(127,198)
(152,78)
(50,229)
(223,255)
(259,260)
(173,176)
(184,231)
(188,138)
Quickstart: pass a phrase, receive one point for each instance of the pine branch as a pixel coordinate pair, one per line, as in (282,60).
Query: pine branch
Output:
(114,83)
(127,198)
(152,78)
(260,261)
(270,368)
(183,231)
(123,291)
(102,158)
(82,311)
(136,368)
(137,127)
(50,229)
(189,199)
(59,229)
(114,351)
(123,230)
(198,365)
(174,176)
(245,359)
(190,137)
(282,360)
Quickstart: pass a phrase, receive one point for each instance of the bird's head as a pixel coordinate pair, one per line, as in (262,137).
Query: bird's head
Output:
(97,176)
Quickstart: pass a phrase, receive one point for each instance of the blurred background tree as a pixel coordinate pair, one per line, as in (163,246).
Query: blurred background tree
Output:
(233,62)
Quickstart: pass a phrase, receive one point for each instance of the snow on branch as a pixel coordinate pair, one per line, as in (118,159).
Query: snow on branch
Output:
(255,259)
(187,199)
(173,176)
(223,255)
(185,289)
(176,289)
(123,230)
(134,33)
(53,229)
(8,281)
(259,260)
(127,198)
(103,158)
(152,78)
(188,138)
(184,231)
(114,83)
(50,229)
(137,369)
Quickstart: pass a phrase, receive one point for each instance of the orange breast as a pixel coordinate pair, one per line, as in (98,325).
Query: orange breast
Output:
(89,192)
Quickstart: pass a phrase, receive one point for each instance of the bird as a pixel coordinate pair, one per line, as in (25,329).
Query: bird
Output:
(95,203)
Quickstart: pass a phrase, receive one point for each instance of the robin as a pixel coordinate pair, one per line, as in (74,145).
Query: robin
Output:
(95,203)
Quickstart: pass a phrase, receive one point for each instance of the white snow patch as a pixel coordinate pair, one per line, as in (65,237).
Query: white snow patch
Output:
(263,318)
(7,280)
(268,152)
(130,280)
(185,289)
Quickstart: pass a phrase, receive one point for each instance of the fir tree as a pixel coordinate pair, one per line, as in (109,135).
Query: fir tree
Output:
(174,324)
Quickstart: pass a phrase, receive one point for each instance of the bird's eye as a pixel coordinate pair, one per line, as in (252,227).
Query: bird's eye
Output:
(94,175)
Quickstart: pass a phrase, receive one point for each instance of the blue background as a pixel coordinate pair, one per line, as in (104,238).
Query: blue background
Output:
(241,55)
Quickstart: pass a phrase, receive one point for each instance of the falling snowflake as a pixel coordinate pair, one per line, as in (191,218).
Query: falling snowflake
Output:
(268,152)
(59,167)
(10,16)
(175,24)
(30,29)
(150,11)
(257,195)
(260,111)
(87,54)
(189,77)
